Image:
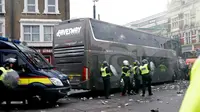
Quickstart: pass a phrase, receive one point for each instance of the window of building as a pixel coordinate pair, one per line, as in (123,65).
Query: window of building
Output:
(31,33)
(187,19)
(37,32)
(175,22)
(31,6)
(48,33)
(2,6)
(51,7)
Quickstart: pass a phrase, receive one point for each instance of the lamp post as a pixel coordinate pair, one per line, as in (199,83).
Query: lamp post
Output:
(94,9)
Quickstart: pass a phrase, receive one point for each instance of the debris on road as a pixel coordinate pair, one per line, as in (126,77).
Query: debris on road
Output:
(172,87)
(90,98)
(104,102)
(83,99)
(147,101)
(126,104)
(130,100)
(112,95)
(156,110)
(56,105)
(180,92)
(140,101)
(98,97)
(119,106)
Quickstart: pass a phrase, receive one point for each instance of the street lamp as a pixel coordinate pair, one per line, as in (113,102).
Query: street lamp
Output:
(94,9)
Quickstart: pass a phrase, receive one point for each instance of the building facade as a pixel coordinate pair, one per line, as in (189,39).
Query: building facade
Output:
(2,17)
(184,23)
(156,24)
(32,22)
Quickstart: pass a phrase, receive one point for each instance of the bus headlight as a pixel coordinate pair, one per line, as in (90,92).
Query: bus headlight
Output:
(56,81)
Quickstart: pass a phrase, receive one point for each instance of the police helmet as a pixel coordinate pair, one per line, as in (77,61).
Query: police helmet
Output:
(9,61)
(105,63)
(136,62)
(125,62)
(144,61)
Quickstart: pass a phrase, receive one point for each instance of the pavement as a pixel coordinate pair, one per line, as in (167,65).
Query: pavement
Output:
(166,98)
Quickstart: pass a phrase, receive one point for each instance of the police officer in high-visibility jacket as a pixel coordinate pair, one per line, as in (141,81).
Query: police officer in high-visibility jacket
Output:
(106,73)
(191,101)
(126,72)
(136,75)
(8,78)
(146,77)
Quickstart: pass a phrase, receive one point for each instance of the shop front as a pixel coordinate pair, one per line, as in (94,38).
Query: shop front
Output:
(47,53)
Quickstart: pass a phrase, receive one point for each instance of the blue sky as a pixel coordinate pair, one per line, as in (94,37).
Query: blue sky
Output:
(117,11)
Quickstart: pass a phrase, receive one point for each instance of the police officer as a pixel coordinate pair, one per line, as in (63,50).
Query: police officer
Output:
(191,101)
(106,73)
(136,74)
(126,71)
(9,78)
(146,77)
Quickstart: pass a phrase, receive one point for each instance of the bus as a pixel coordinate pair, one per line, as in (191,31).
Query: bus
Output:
(81,45)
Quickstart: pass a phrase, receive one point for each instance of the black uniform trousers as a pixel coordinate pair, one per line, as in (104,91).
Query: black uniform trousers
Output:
(106,82)
(127,85)
(146,82)
(137,85)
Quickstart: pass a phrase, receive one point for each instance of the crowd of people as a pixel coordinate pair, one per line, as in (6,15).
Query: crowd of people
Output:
(137,70)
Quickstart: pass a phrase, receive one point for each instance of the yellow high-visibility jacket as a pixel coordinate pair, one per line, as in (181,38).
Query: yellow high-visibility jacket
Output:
(191,101)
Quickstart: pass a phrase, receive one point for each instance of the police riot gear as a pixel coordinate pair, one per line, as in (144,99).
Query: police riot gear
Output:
(125,62)
(126,72)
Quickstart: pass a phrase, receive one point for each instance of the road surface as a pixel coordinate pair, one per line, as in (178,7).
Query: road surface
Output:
(166,98)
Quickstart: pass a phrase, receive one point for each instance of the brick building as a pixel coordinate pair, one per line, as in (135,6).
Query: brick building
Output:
(32,21)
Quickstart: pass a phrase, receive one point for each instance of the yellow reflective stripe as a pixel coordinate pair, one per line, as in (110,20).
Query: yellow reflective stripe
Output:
(26,81)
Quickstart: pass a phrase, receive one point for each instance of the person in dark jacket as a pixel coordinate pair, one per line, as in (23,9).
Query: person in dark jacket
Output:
(106,73)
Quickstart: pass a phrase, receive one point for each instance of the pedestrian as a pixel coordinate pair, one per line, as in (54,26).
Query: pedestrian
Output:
(191,101)
(136,76)
(146,77)
(126,71)
(106,73)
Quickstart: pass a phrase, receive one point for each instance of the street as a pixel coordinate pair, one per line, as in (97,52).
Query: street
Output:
(166,98)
